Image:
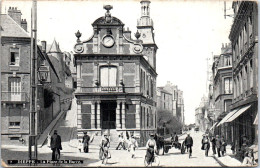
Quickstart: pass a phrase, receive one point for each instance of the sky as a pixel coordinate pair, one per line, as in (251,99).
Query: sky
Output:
(187,34)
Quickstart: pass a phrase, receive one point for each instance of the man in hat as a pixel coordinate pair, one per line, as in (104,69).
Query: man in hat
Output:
(189,143)
(55,144)
(85,142)
(218,145)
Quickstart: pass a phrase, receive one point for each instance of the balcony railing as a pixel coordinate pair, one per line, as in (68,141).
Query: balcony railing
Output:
(14,97)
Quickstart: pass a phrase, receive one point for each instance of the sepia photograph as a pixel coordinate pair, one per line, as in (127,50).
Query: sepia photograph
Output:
(129,83)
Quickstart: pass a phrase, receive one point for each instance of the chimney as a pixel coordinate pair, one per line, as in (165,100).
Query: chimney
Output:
(127,33)
(24,24)
(15,14)
(43,46)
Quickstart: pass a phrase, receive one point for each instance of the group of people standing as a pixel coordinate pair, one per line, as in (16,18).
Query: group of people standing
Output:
(218,145)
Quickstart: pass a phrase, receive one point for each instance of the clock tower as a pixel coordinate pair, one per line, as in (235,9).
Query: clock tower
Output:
(145,28)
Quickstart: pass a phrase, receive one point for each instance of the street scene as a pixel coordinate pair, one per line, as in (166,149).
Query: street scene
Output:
(129,83)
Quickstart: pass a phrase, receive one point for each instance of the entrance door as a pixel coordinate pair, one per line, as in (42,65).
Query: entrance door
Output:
(108,114)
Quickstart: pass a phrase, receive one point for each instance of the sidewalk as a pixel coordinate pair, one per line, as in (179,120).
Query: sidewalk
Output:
(227,160)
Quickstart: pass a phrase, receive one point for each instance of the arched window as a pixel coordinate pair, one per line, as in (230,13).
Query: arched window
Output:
(108,76)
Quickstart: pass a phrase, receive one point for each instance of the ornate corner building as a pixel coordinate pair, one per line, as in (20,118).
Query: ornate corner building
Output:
(116,77)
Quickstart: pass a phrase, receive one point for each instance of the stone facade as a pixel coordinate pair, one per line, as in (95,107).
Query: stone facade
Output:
(116,77)
(244,40)
(15,82)
(164,100)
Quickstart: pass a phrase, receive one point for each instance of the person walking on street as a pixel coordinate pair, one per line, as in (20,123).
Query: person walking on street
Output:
(85,142)
(175,140)
(150,148)
(189,143)
(133,145)
(205,144)
(121,143)
(218,145)
(213,143)
(223,146)
(104,146)
(55,144)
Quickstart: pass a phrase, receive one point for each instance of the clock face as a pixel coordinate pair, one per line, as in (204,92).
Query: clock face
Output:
(108,41)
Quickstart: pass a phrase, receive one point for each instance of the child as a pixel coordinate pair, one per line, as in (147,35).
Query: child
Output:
(80,145)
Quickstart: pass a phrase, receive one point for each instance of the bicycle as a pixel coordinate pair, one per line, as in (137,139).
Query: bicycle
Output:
(154,161)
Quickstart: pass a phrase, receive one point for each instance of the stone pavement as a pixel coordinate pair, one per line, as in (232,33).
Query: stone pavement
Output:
(228,160)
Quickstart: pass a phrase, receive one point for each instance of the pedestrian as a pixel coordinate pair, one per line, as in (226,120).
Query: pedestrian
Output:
(132,145)
(85,142)
(223,146)
(80,146)
(205,144)
(213,142)
(249,159)
(189,143)
(175,140)
(49,140)
(218,145)
(121,143)
(55,144)
(104,147)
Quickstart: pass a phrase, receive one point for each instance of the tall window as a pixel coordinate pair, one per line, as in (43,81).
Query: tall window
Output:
(15,88)
(108,76)
(251,74)
(241,82)
(238,86)
(227,104)
(228,85)
(250,29)
(227,60)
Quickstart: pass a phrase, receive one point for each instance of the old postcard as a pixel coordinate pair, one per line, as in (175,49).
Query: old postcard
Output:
(132,83)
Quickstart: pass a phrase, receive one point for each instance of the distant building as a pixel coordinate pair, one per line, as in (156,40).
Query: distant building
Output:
(164,100)
(201,114)
(177,100)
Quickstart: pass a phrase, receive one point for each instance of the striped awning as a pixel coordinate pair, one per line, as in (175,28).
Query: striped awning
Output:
(238,113)
(227,117)
(213,126)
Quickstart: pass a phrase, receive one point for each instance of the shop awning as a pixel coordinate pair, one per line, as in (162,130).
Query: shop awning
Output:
(256,120)
(238,113)
(213,126)
(227,117)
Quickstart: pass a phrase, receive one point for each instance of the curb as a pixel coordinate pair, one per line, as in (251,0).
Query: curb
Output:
(219,162)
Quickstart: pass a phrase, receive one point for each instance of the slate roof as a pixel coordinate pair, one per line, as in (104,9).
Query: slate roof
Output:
(54,48)
(9,28)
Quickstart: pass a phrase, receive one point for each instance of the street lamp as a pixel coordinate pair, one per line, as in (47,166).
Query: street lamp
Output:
(43,73)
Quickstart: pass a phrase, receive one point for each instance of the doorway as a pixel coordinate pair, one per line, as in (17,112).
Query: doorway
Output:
(108,114)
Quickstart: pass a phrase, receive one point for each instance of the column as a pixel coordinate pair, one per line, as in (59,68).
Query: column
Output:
(92,117)
(98,114)
(118,125)
(79,117)
(123,115)
(79,77)
(137,115)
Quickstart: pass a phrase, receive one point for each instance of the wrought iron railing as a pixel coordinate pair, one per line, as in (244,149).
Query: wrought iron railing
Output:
(14,97)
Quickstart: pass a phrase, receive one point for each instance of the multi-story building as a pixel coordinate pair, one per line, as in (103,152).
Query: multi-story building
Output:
(222,88)
(244,39)
(116,77)
(201,114)
(164,100)
(177,100)
(16,81)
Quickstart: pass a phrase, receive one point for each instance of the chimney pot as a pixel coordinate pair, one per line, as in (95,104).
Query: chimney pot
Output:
(43,46)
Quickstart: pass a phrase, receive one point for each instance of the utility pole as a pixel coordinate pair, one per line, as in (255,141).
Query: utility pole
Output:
(34,96)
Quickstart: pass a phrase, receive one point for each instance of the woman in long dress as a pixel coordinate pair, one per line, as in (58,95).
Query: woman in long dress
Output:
(49,140)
